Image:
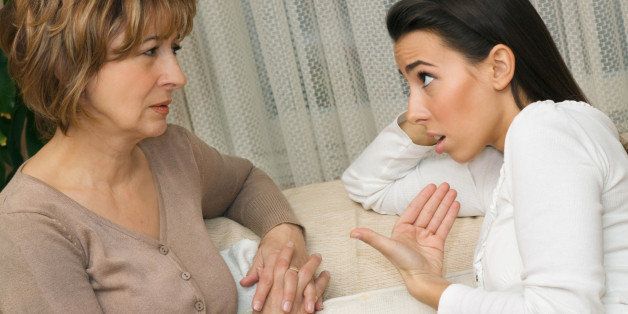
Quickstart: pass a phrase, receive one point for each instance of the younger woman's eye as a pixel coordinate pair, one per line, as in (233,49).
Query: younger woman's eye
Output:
(151,52)
(425,78)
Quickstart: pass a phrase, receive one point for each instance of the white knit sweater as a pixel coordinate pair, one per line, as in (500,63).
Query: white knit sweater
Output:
(555,233)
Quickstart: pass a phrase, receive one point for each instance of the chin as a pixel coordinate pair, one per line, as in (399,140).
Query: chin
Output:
(155,129)
(461,157)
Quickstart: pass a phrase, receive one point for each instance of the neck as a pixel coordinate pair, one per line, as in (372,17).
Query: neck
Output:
(510,111)
(91,157)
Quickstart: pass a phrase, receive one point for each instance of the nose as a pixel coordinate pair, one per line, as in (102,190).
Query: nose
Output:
(172,77)
(417,112)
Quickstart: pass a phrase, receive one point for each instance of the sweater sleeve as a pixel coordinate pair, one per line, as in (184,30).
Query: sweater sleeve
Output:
(557,182)
(233,187)
(42,267)
(392,170)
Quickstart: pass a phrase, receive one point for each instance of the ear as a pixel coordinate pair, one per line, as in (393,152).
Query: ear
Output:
(502,62)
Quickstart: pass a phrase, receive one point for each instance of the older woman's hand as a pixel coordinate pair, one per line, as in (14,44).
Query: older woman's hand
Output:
(262,270)
(287,293)
(417,244)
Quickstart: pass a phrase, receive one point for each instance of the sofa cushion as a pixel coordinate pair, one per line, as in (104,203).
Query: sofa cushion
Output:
(328,215)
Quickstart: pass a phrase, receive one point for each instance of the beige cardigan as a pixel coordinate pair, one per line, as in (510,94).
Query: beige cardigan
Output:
(58,256)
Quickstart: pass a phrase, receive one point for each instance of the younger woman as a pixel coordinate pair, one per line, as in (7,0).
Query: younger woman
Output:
(487,81)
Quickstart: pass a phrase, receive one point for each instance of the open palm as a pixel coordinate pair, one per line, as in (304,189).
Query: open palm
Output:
(418,238)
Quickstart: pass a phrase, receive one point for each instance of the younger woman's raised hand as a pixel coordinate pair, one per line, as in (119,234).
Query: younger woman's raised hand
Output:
(416,246)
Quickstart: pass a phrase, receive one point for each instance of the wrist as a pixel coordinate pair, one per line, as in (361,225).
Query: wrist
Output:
(417,133)
(285,232)
(426,288)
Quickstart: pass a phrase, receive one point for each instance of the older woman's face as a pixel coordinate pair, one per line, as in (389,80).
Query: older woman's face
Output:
(131,96)
(450,96)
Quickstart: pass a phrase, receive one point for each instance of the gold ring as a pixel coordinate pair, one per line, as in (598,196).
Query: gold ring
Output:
(294,268)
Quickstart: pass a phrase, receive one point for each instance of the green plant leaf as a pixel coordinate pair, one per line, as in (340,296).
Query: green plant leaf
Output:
(15,136)
(3,139)
(7,88)
(34,141)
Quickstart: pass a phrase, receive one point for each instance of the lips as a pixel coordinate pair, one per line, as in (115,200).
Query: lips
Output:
(162,107)
(439,147)
(163,103)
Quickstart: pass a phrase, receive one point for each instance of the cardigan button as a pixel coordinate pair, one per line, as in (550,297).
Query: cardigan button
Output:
(199,306)
(185,275)
(163,249)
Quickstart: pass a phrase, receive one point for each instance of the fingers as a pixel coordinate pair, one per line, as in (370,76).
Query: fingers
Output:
(252,276)
(443,209)
(379,242)
(448,221)
(268,272)
(416,205)
(321,283)
(310,297)
(306,276)
(289,290)
(431,206)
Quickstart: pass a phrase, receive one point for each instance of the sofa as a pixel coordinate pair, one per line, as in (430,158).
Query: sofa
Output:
(363,281)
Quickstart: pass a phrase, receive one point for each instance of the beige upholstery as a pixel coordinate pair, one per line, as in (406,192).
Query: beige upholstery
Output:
(328,215)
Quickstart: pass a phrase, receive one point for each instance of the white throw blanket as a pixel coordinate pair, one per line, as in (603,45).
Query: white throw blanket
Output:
(239,258)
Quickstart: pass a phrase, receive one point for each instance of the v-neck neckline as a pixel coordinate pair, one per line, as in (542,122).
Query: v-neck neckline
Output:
(103,220)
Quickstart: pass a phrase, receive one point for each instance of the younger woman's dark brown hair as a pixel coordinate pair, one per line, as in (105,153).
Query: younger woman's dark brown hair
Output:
(474,27)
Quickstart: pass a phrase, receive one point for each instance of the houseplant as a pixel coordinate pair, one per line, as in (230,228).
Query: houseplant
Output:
(19,138)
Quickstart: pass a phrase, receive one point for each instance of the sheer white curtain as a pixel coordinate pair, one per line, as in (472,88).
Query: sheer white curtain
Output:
(300,87)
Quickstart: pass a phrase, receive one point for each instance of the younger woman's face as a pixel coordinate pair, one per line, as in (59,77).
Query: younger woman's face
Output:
(130,97)
(451,97)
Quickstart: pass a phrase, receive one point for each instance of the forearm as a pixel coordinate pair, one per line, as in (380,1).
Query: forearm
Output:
(390,157)
(260,205)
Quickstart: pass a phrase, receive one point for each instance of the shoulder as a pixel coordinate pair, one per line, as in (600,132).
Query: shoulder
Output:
(567,117)
(562,135)
(568,121)
(30,208)
(24,194)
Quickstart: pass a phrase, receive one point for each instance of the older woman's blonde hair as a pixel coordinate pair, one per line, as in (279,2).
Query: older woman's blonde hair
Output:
(55,46)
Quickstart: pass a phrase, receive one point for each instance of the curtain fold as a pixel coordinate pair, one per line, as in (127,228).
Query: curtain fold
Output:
(301,87)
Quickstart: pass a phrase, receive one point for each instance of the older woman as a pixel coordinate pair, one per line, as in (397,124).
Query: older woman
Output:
(108,215)
(489,88)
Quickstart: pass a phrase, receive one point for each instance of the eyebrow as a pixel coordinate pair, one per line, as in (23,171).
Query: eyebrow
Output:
(149,38)
(415,64)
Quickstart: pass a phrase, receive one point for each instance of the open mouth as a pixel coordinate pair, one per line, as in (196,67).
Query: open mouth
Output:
(439,147)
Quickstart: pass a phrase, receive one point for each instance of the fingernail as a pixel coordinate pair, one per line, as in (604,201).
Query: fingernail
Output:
(310,308)
(257,305)
(286,306)
(355,236)
(290,244)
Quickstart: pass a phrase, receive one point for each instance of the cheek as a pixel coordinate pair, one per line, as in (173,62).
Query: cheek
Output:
(455,105)
(118,86)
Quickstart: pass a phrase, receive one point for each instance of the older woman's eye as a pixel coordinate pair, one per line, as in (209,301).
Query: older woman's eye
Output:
(151,52)
(425,78)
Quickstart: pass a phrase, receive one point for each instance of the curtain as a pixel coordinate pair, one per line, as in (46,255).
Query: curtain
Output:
(301,87)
